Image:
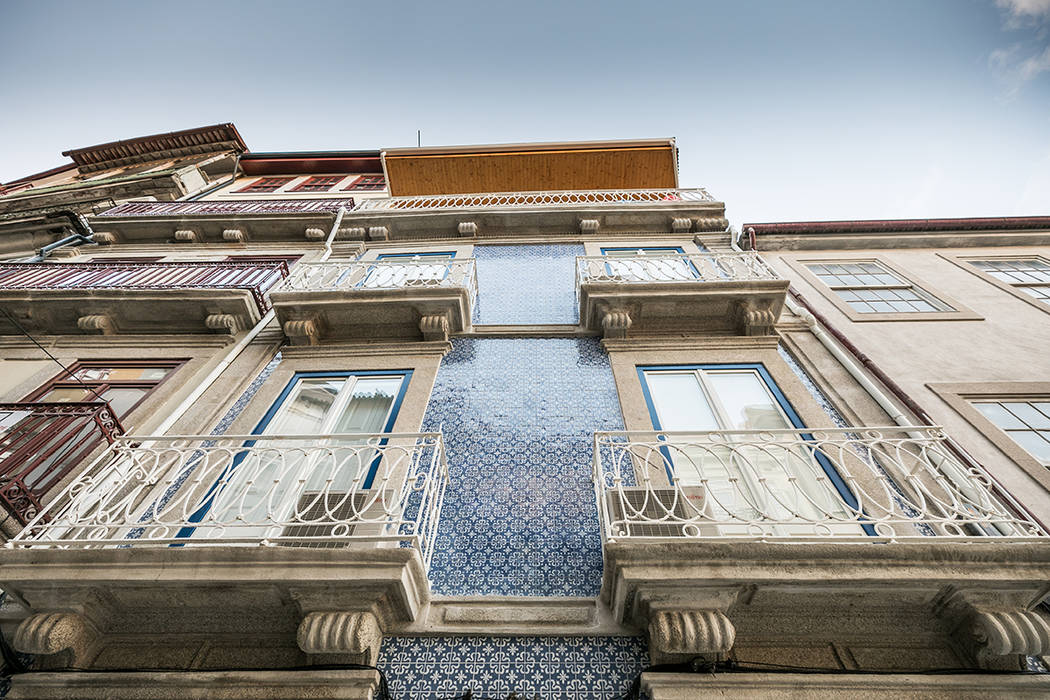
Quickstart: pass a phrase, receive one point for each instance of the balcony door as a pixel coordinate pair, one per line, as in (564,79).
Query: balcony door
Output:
(732,480)
(323,419)
(665,264)
(416,270)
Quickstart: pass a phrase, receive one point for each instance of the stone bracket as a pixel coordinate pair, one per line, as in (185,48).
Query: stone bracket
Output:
(187,236)
(615,323)
(679,635)
(224,323)
(315,234)
(100,324)
(996,627)
(303,331)
(468,228)
(755,318)
(378,233)
(58,632)
(589,226)
(434,326)
(233,235)
(345,633)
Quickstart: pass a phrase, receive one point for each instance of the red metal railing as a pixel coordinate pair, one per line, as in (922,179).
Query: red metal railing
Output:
(40,443)
(256,277)
(250,206)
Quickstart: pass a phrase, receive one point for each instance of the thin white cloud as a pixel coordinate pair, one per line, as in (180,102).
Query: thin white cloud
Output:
(1023,61)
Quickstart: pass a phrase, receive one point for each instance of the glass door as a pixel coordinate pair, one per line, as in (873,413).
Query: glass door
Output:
(740,484)
(269,481)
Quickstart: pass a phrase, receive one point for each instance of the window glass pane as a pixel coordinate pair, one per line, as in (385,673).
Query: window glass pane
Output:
(304,411)
(747,401)
(369,405)
(67,394)
(121,399)
(999,415)
(122,373)
(680,401)
(1035,443)
(1028,414)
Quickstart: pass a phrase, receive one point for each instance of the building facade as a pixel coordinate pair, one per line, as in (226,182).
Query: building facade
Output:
(521,420)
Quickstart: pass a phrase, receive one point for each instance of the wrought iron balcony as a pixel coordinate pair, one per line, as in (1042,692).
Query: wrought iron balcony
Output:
(41,443)
(530,200)
(220,207)
(853,484)
(377,298)
(138,297)
(625,295)
(294,490)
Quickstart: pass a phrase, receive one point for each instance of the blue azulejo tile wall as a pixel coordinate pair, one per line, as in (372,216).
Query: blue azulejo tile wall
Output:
(518,415)
(551,668)
(521,284)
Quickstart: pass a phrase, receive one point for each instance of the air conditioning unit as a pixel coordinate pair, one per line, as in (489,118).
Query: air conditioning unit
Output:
(682,512)
(318,510)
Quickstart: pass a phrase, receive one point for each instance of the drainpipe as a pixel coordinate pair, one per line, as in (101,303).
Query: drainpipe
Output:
(237,349)
(218,185)
(83,234)
(839,345)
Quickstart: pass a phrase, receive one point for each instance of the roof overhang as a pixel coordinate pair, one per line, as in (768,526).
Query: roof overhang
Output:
(530,167)
(204,139)
(311,163)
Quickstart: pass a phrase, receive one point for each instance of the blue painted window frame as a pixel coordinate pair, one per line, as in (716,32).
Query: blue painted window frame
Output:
(406,375)
(668,248)
(833,474)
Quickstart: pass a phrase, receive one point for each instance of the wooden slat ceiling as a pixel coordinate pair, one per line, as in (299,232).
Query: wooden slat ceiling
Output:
(531,167)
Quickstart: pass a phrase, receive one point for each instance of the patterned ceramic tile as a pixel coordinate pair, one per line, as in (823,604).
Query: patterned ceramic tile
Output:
(551,668)
(518,415)
(520,284)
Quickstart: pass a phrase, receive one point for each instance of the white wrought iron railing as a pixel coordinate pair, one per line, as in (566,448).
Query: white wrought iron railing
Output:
(292,490)
(853,484)
(527,200)
(673,267)
(366,275)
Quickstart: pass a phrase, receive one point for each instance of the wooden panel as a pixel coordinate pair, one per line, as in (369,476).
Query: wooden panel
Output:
(528,171)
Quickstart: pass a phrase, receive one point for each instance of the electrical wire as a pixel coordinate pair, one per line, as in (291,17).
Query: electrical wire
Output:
(68,372)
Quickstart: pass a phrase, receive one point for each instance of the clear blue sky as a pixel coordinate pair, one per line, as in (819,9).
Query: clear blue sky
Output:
(785,110)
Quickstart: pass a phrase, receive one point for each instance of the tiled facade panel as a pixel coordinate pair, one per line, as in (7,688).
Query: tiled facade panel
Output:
(519,284)
(518,415)
(551,668)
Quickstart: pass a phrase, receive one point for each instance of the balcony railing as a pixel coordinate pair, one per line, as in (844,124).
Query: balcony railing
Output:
(40,443)
(369,275)
(290,490)
(529,200)
(216,207)
(855,484)
(673,267)
(256,277)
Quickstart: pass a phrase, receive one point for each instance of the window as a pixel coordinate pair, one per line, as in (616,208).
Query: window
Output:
(417,270)
(667,263)
(744,484)
(367,183)
(123,384)
(1029,275)
(318,184)
(340,408)
(1026,422)
(266,184)
(870,287)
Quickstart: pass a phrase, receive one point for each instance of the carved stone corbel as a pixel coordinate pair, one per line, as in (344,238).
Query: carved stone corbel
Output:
(186,236)
(303,332)
(68,633)
(104,238)
(354,232)
(681,224)
(434,326)
(224,323)
(99,324)
(997,634)
(615,323)
(378,233)
(468,228)
(680,635)
(315,234)
(354,634)
(589,225)
(755,318)
(712,224)
(233,235)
